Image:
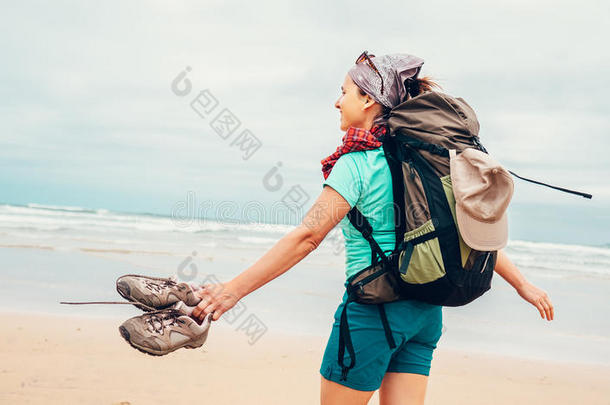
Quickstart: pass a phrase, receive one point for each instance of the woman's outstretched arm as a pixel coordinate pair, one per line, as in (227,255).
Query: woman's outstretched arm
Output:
(527,291)
(326,212)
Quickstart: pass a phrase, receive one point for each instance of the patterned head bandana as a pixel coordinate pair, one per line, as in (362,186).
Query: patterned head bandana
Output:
(394,69)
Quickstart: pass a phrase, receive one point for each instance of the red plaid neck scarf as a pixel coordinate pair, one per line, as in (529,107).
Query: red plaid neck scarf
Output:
(355,139)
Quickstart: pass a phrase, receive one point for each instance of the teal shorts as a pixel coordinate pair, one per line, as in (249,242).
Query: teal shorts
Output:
(416,327)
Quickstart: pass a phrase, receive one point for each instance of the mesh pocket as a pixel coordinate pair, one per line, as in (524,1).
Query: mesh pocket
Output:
(425,260)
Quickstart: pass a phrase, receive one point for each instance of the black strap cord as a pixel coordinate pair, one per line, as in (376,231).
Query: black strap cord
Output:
(442,151)
(345,341)
(386,326)
(585,195)
(345,338)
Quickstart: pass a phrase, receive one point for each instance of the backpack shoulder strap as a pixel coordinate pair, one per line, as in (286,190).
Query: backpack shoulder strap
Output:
(364,227)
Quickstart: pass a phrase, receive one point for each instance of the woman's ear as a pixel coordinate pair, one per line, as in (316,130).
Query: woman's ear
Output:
(368,102)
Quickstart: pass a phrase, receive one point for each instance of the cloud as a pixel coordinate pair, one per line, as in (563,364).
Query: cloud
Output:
(88,100)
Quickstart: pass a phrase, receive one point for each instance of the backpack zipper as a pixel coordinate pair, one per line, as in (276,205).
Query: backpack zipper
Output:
(370,278)
(485,263)
(411,169)
(415,169)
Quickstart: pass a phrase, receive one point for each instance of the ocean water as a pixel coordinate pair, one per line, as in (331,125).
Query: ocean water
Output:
(50,254)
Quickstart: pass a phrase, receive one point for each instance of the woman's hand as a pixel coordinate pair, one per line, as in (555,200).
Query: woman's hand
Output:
(217,298)
(537,298)
(526,290)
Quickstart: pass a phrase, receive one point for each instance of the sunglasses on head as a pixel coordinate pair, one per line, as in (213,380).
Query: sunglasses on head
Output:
(365,57)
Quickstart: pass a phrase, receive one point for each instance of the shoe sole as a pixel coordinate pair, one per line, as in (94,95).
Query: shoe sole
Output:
(125,334)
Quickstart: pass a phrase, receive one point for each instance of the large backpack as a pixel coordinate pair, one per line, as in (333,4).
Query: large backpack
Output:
(430,262)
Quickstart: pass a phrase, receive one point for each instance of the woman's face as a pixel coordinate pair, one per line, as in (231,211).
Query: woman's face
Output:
(355,108)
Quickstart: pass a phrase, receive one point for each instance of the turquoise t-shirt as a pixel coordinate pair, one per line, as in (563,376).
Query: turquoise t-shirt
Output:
(363,178)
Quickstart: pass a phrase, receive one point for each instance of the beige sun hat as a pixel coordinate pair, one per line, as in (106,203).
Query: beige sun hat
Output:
(482,189)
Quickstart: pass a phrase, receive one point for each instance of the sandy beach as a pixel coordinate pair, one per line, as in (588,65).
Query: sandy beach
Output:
(75,354)
(54,359)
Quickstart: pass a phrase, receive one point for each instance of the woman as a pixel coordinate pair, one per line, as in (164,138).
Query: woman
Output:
(358,175)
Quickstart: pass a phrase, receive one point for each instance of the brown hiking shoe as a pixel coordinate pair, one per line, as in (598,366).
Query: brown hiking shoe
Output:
(155,292)
(161,332)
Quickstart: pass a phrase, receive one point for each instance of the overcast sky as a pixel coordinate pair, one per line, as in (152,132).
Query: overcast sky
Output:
(88,117)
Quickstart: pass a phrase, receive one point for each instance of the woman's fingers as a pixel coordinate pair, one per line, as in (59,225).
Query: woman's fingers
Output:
(198,310)
(217,313)
(540,308)
(210,308)
(207,299)
(545,304)
(210,302)
(549,308)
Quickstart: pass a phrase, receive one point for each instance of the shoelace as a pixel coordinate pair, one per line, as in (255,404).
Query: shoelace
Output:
(158,286)
(138,304)
(158,321)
